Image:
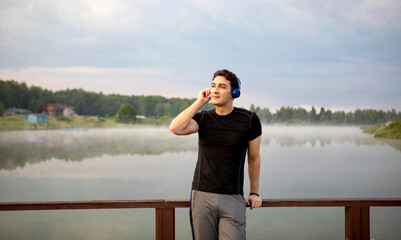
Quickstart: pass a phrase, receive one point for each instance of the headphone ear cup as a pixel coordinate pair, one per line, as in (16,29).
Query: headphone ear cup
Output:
(236,93)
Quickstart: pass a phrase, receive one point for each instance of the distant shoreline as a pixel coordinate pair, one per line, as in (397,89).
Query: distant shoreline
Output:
(85,123)
(17,123)
(390,130)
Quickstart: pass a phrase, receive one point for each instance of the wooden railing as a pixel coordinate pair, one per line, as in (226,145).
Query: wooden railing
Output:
(357,211)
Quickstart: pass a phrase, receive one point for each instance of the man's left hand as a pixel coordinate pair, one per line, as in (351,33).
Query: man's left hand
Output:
(253,201)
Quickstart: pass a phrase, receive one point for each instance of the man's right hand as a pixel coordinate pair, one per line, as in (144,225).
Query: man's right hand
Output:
(204,96)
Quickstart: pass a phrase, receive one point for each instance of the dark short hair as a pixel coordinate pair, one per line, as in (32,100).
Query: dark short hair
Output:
(230,76)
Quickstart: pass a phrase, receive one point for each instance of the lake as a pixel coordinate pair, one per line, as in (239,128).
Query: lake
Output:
(152,163)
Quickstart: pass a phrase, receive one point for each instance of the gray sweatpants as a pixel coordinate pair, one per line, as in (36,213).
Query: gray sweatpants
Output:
(217,216)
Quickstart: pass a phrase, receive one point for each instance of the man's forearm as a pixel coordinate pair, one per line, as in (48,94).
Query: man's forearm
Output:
(254,173)
(182,121)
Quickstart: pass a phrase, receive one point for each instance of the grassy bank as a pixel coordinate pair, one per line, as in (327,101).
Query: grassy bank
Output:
(17,123)
(389,130)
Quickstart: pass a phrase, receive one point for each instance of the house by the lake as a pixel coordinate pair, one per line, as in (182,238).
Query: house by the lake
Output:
(56,110)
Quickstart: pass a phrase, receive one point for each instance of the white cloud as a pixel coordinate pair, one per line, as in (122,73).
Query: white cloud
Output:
(311,15)
(16,21)
(123,15)
(211,8)
(377,14)
(99,15)
(24,20)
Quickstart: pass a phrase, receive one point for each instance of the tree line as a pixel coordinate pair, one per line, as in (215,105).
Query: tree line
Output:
(290,115)
(19,95)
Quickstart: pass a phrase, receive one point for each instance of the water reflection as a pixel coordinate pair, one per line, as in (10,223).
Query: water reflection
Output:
(17,148)
(295,136)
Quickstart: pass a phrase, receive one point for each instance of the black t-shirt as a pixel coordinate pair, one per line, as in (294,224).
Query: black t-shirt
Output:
(223,144)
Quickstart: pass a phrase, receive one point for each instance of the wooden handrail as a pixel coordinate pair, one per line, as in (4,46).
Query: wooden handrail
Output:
(333,202)
(115,204)
(70,205)
(357,214)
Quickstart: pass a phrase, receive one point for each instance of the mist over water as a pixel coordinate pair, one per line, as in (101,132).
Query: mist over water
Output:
(152,163)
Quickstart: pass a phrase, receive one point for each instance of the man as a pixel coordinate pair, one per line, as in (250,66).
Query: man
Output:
(226,134)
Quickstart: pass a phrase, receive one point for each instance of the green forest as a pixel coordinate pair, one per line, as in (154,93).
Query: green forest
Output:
(19,95)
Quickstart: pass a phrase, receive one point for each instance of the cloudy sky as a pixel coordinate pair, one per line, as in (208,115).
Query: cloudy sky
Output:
(343,54)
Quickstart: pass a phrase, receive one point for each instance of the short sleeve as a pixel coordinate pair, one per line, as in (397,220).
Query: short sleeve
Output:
(197,117)
(256,127)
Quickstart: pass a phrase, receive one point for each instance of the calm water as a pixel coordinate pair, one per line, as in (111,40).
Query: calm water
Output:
(152,163)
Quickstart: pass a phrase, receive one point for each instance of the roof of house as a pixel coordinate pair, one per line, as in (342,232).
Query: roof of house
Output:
(57,106)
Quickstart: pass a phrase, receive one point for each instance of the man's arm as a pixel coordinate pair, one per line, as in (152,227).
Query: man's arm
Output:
(254,172)
(183,124)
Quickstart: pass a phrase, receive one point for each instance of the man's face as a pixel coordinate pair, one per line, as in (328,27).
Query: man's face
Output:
(220,91)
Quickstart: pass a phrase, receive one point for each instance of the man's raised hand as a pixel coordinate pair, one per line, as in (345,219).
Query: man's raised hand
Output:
(204,96)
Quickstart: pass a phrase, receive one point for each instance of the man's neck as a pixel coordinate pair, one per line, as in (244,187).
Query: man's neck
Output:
(225,109)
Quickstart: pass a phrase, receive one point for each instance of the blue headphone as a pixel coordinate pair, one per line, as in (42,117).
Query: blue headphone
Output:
(236,91)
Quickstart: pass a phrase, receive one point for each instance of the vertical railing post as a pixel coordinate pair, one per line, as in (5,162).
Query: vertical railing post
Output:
(365,222)
(165,223)
(357,223)
(159,223)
